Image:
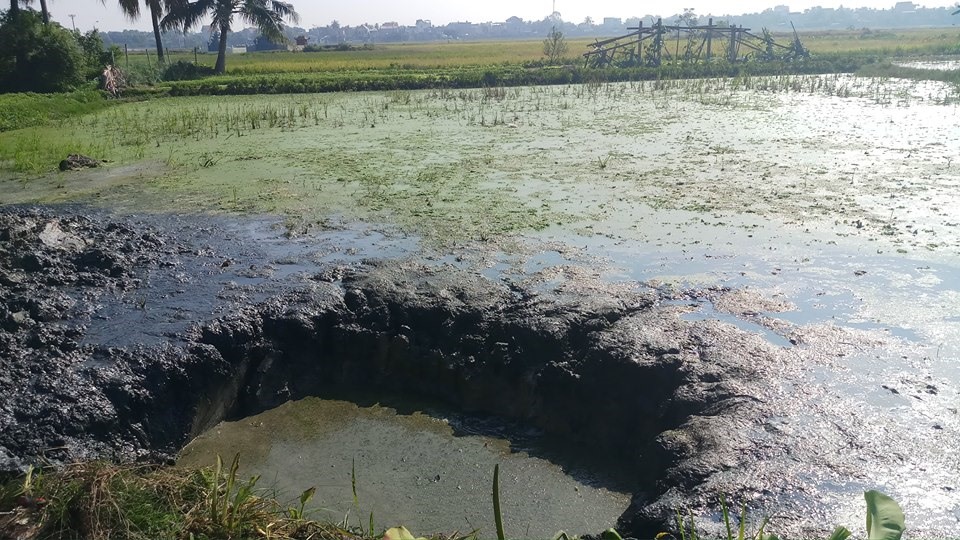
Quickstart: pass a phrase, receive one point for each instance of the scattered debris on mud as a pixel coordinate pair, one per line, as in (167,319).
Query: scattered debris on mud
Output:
(75,162)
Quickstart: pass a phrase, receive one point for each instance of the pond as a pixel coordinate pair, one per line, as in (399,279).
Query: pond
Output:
(415,469)
(819,212)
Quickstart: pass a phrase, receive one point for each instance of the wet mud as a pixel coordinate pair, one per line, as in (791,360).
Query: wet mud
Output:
(124,337)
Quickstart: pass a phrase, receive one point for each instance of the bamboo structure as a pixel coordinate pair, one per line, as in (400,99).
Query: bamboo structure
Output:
(650,46)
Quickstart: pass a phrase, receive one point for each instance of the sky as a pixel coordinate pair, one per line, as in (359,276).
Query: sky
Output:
(93,13)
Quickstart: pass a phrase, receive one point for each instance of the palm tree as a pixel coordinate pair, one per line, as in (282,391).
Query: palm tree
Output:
(266,15)
(131,8)
(15,8)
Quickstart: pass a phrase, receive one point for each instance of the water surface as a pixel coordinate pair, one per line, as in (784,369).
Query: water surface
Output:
(411,469)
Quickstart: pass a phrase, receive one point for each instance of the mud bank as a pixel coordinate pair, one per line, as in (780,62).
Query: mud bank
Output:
(125,337)
(594,364)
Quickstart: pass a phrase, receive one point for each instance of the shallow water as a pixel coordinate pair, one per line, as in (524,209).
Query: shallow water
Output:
(411,469)
(835,195)
(940,65)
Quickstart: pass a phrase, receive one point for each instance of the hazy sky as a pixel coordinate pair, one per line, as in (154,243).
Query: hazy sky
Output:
(90,13)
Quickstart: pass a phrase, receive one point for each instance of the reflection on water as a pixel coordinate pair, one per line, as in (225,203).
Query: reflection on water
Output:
(939,65)
(410,469)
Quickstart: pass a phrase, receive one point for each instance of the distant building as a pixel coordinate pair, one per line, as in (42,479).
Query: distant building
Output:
(460,29)
(365,33)
(904,6)
(612,22)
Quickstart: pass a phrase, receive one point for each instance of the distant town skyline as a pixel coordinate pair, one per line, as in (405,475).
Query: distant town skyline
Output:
(93,13)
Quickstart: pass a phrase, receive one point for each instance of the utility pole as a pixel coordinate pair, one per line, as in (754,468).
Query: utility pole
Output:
(73,22)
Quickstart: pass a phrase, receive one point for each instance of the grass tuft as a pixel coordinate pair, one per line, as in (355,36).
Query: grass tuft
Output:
(101,501)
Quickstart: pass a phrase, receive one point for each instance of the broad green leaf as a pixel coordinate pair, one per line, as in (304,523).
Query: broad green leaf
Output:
(610,534)
(307,495)
(885,519)
(398,533)
(840,533)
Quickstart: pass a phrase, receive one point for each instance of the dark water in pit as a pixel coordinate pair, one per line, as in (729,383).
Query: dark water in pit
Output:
(413,469)
(400,457)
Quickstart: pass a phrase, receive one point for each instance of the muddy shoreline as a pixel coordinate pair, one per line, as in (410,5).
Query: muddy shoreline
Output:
(123,337)
(608,367)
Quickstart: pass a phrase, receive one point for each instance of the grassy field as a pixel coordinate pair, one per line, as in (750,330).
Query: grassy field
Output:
(23,110)
(493,53)
(405,55)
(882,42)
(408,66)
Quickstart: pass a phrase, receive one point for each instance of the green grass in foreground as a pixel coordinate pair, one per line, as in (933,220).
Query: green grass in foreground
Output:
(18,111)
(99,500)
(104,501)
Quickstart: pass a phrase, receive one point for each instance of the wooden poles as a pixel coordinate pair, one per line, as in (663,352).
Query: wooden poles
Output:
(646,45)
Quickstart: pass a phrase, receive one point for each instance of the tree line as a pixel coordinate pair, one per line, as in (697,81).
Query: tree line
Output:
(37,54)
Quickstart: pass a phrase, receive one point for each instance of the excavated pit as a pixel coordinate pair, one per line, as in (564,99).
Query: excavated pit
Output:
(611,368)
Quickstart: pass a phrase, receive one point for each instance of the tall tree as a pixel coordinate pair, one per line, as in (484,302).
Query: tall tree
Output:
(131,8)
(266,15)
(44,12)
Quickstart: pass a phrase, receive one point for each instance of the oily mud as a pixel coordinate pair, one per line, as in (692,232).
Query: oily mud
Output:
(612,370)
(126,337)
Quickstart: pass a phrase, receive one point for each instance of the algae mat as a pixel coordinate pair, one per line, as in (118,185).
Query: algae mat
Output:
(823,157)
